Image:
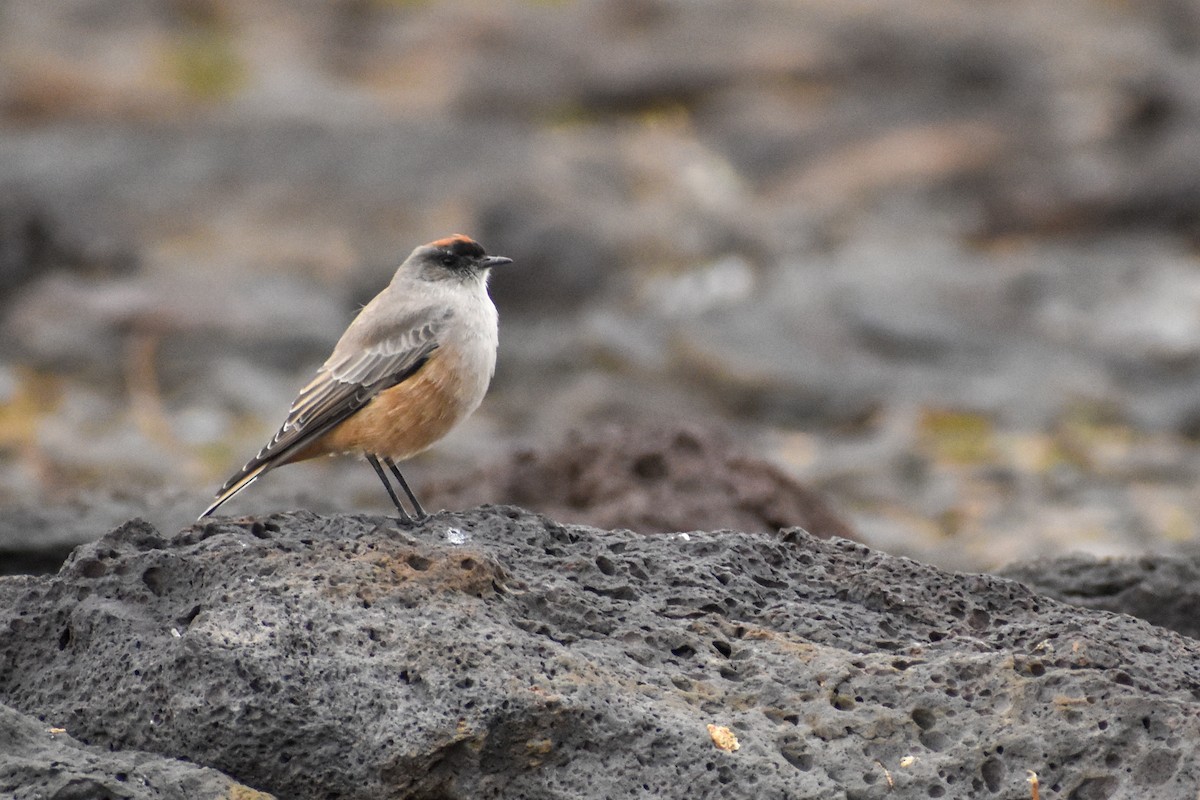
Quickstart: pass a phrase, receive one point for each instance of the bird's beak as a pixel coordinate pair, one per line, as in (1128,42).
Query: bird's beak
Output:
(495,261)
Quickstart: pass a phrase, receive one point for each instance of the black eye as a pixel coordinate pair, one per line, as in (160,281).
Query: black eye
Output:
(448,261)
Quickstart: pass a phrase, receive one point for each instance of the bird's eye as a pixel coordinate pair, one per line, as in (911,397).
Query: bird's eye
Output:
(448,261)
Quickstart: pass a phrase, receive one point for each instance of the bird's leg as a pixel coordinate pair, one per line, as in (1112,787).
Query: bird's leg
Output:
(404,485)
(404,516)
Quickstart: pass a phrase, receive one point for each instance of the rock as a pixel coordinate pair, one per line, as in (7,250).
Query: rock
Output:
(76,322)
(38,760)
(33,241)
(564,262)
(625,57)
(36,541)
(28,245)
(494,653)
(648,478)
(1162,589)
(38,538)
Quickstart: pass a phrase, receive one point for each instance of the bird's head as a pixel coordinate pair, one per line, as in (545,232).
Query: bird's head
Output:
(456,257)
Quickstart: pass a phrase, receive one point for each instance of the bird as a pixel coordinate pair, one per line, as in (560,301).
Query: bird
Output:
(415,361)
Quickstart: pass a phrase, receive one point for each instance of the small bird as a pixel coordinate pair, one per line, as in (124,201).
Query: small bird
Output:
(415,362)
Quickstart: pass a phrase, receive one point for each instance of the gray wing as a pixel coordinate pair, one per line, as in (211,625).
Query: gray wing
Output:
(359,369)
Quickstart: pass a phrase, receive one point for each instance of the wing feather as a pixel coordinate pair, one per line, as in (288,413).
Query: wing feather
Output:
(346,382)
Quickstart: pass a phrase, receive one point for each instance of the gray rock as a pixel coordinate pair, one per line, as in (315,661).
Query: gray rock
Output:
(1163,589)
(498,654)
(39,761)
(34,540)
(566,262)
(38,538)
(34,242)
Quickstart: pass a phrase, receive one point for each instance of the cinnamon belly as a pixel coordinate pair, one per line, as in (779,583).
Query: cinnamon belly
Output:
(401,421)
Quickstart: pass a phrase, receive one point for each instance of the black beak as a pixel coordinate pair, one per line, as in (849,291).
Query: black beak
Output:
(495,261)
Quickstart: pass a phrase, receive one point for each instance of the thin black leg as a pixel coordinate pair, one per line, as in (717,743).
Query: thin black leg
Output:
(404,485)
(391,492)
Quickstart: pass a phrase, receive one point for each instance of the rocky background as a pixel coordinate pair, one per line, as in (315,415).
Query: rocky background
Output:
(922,276)
(934,262)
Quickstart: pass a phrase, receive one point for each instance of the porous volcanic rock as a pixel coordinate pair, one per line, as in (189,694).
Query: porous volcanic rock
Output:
(494,653)
(39,761)
(650,478)
(1160,588)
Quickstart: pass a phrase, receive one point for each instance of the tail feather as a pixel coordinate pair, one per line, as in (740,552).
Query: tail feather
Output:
(235,485)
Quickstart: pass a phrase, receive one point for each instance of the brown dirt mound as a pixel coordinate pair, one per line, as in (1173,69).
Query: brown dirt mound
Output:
(650,479)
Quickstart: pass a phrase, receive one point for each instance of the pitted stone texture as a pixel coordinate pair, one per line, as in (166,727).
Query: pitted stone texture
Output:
(1163,589)
(38,761)
(497,654)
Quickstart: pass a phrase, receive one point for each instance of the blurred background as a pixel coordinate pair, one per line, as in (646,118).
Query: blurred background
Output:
(927,267)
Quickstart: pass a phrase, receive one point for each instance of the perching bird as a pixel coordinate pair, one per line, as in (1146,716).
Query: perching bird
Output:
(415,362)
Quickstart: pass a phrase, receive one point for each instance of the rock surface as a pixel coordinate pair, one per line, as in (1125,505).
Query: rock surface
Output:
(494,653)
(39,761)
(1162,589)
